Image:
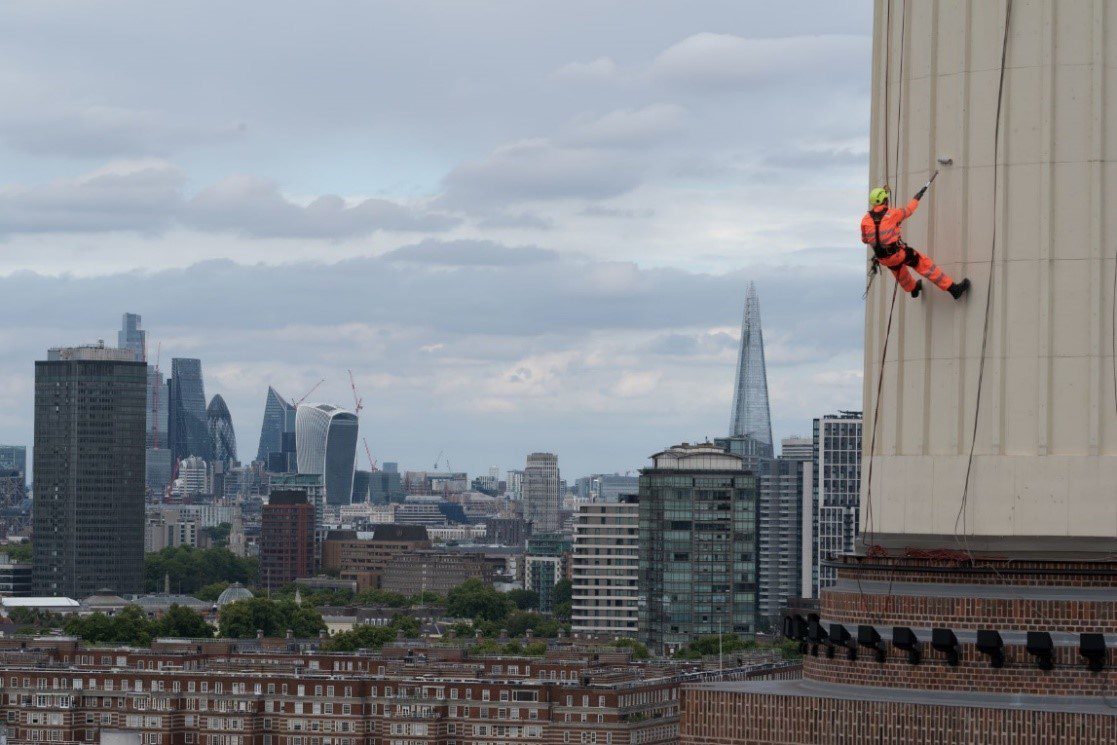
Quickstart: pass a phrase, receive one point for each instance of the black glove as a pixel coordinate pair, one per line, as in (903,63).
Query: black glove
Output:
(919,194)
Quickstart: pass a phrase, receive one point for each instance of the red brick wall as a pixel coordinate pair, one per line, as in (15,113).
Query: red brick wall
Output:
(1019,674)
(732,718)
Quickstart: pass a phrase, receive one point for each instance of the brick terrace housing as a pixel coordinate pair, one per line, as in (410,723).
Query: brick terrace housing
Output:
(266,692)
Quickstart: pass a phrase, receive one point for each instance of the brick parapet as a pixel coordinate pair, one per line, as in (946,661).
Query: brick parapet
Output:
(987,571)
(1020,614)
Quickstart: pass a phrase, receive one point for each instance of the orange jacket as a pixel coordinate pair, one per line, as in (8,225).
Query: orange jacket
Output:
(889,225)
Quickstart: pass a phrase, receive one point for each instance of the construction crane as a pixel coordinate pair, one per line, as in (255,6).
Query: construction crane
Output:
(295,405)
(358,402)
(435,466)
(368,454)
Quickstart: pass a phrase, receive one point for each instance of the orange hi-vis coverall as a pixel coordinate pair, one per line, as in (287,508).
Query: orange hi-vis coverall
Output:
(880,229)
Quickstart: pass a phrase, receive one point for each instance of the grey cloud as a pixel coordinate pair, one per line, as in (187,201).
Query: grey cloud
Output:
(678,344)
(148,197)
(142,197)
(255,207)
(630,128)
(508,298)
(541,170)
(100,131)
(600,69)
(470,253)
(727,61)
(598,210)
(527,220)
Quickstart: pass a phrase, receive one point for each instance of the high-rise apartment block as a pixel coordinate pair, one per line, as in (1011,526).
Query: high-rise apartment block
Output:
(836,497)
(187,410)
(88,513)
(786,485)
(605,568)
(698,524)
(286,538)
(541,496)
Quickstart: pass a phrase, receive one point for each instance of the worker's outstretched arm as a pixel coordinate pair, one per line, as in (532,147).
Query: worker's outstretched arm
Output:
(911,206)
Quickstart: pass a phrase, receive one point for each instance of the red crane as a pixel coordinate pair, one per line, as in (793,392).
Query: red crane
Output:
(358,403)
(295,405)
(368,454)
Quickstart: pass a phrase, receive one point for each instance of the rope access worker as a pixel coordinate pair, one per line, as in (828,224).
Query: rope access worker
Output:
(880,229)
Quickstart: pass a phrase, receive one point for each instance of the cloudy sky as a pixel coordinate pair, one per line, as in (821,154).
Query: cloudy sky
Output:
(523,224)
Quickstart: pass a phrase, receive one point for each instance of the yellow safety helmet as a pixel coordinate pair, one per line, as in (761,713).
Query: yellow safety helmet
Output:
(878,196)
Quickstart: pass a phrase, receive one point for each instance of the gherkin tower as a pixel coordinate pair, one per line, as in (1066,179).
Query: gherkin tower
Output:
(751,421)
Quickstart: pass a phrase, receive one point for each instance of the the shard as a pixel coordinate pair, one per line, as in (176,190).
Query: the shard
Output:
(751,421)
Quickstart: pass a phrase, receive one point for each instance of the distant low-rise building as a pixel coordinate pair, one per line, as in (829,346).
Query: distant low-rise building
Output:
(433,571)
(362,556)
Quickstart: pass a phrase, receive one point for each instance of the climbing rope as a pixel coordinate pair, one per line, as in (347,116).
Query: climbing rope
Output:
(887,174)
(873,550)
(961,517)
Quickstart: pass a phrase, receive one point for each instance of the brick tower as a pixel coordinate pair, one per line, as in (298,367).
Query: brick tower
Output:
(981,605)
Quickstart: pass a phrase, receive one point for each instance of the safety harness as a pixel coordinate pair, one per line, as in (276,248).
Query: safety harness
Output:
(883,252)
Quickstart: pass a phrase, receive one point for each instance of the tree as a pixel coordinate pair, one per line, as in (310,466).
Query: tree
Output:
(475,599)
(242,619)
(705,646)
(563,591)
(524,599)
(639,651)
(218,534)
(563,594)
(315,596)
(383,597)
(182,622)
(211,592)
(129,626)
(191,569)
(19,553)
(372,637)
(535,649)
(519,622)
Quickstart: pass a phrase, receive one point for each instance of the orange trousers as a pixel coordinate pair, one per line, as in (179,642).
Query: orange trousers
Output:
(907,256)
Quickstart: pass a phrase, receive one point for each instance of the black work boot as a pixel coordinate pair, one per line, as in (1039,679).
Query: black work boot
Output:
(958,289)
(918,289)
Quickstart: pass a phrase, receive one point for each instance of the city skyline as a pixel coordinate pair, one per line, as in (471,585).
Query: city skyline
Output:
(566,239)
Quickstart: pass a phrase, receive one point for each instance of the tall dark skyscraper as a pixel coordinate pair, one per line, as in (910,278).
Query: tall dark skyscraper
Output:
(187,411)
(89,472)
(223,443)
(750,426)
(279,417)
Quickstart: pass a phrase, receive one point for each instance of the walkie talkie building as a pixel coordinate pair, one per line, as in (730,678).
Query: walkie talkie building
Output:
(326,444)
